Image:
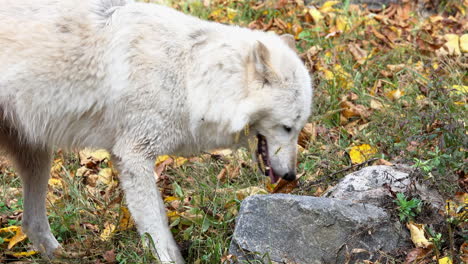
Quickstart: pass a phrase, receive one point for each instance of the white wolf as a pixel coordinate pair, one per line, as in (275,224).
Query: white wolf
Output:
(140,80)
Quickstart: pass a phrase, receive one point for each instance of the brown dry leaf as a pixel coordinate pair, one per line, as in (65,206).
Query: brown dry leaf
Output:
(464,252)
(307,135)
(109,256)
(417,235)
(354,110)
(161,166)
(359,54)
(222,175)
(417,254)
(284,186)
(396,67)
(383,162)
(376,105)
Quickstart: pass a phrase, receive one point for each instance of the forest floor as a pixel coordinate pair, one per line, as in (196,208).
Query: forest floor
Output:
(390,87)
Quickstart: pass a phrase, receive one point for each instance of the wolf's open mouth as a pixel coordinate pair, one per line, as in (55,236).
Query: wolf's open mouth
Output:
(264,160)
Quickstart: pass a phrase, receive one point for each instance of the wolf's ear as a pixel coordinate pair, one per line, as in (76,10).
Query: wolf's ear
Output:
(289,40)
(261,58)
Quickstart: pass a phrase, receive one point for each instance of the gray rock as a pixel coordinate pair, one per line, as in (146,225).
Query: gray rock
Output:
(303,229)
(373,184)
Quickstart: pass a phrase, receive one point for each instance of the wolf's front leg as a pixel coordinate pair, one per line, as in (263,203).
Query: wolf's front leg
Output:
(146,205)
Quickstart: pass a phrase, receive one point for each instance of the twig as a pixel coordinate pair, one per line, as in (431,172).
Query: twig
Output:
(352,166)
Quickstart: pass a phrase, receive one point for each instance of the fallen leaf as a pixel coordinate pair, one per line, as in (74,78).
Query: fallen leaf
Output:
(88,156)
(417,254)
(109,256)
(395,94)
(462,89)
(106,234)
(328,6)
(383,162)
(105,176)
(451,47)
(361,153)
(376,105)
(464,252)
(22,254)
(126,220)
(307,135)
(417,235)
(445,260)
(396,67)
(284,186)
(315,14)
(18,237)
(55,183)
(249,191)
(464,43)
(359,54)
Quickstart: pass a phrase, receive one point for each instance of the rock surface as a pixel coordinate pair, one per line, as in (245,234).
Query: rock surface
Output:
(303,229)
(374,185)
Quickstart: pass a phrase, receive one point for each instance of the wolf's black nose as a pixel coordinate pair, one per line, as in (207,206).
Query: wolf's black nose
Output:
(290,176)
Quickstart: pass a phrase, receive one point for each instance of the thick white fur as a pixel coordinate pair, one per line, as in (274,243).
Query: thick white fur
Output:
(140,80)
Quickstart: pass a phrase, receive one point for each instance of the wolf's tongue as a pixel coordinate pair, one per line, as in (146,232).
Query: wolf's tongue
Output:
(274,178)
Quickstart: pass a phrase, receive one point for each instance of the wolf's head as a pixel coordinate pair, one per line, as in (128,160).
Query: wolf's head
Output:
(277,105)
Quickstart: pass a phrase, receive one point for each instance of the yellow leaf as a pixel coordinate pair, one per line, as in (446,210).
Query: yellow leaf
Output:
(9,229)
(178,161)
(244,193)
(315,14)
(172,213)
(461,88)
(56,183)
(464,43)
(342,23)
(126,221)
(395,94)
(417,235)
(452,46)
(161,159)
(107,232)
(328,6)
(216,13)
(361,153)
(24,254)
(18,237)
(445,260)
(105,176)
(170,199)
(231,13)
(98,154)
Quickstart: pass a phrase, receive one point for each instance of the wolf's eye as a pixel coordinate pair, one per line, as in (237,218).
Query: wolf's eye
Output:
(288,129)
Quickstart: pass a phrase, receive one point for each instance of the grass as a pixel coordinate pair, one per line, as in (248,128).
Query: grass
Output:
(425,127)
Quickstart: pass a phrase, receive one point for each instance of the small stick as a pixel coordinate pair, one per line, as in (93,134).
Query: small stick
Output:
(353,166)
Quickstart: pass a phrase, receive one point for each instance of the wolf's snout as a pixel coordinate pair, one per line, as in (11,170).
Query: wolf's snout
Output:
(289,176)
